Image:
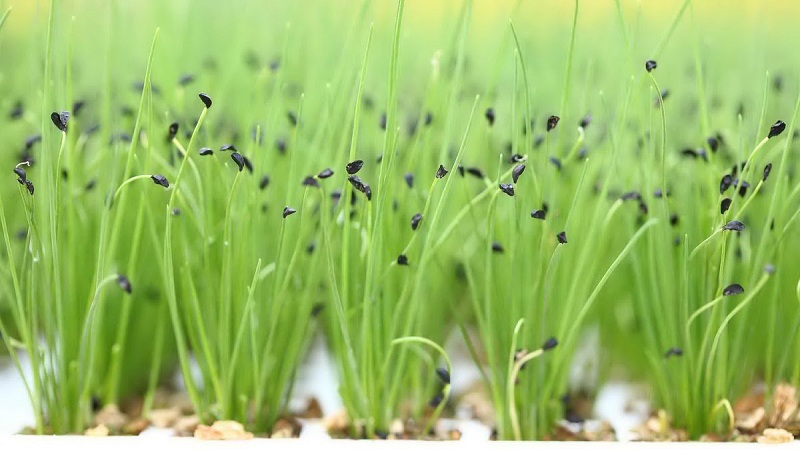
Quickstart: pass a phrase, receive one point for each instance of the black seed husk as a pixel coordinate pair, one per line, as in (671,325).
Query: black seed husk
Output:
(517,171)
(552,122)
(733,225)
(733,289)
(415,220)
(124,283)
(507,189)
(354,166)
(160,180)
(562,237)
(538,214)
(288,211)
(776,129)
(724,205)
(205,151)
(550,344)
(327,173)
(441,171)
(238,159)
(205,99)
(649,65)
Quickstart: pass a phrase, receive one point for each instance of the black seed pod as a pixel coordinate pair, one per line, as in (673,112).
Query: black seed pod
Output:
(562,237)
(550,344)
(538,214)
(743,185)
(292,117)
(767,170)
(516,158)
(310,181)
(428,118)
(556,162)
(632,195)
(649,65)
(288,211)
(776,129)
(327,173)
(21,174)
(518,169)
(713,143)
(674,220)
(587,119)
(264,182)
(475,172)
(186,79)
(354,166)
(497,247)
(160,180)
(725,183)
(674,351)
(205,99)
(382,121)
(402,260)
(490,116)
(29,186)
(733,289)
(552,122)
(124,283)
(60,120)
(507,189)
(238,159)
(436,400)
(173,130)
(769,268)
(733,225)
(441,171)
(205,151)
(724,205)
(227,147)
(415,220)
(443,374)
(409,177)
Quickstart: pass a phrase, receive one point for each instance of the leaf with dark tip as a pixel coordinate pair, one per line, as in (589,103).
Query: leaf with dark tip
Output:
(733,289)
(354,166)
(238,159)
(288,211)
(517,171)
(160,180)
(205,99)
(507,189)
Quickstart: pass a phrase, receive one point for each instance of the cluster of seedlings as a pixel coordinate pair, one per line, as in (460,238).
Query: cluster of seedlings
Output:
(528,226)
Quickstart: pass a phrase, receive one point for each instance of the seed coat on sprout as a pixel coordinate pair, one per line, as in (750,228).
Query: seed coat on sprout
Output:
(733,225)
(517,171)
(288,211)
(238,159)
(205,99)
(776,129)
(415,220)
(507,189)
(562,237)
(354,166)
(441,171)
(160,180)
(552,122)
(733,289)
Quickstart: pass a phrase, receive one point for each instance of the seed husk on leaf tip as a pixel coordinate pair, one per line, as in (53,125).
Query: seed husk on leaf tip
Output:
(767,170)
(776,129)
(538,214)
(443,374)
(354,166)
(552,122)
(441,171)
(173,130)
(264,182)
(733,289)
(326,173)
(205,151)
(415,220)
(674,351)
(205,99)
(409,178)
(227,147)
(649,65)
(436,400)
(556,162)
(562,237)
(587,119)
(517,171)
(402,260)
(724,205)
(29,186)
(725,183)
(733,225)
(310,181)
(517,158)
(160,180)
(60,120)
(490,116)
(238,159)
(21,174)
(769,268)
(497,247)
(288,211)
(507,189)
(549,344)
(124,283)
